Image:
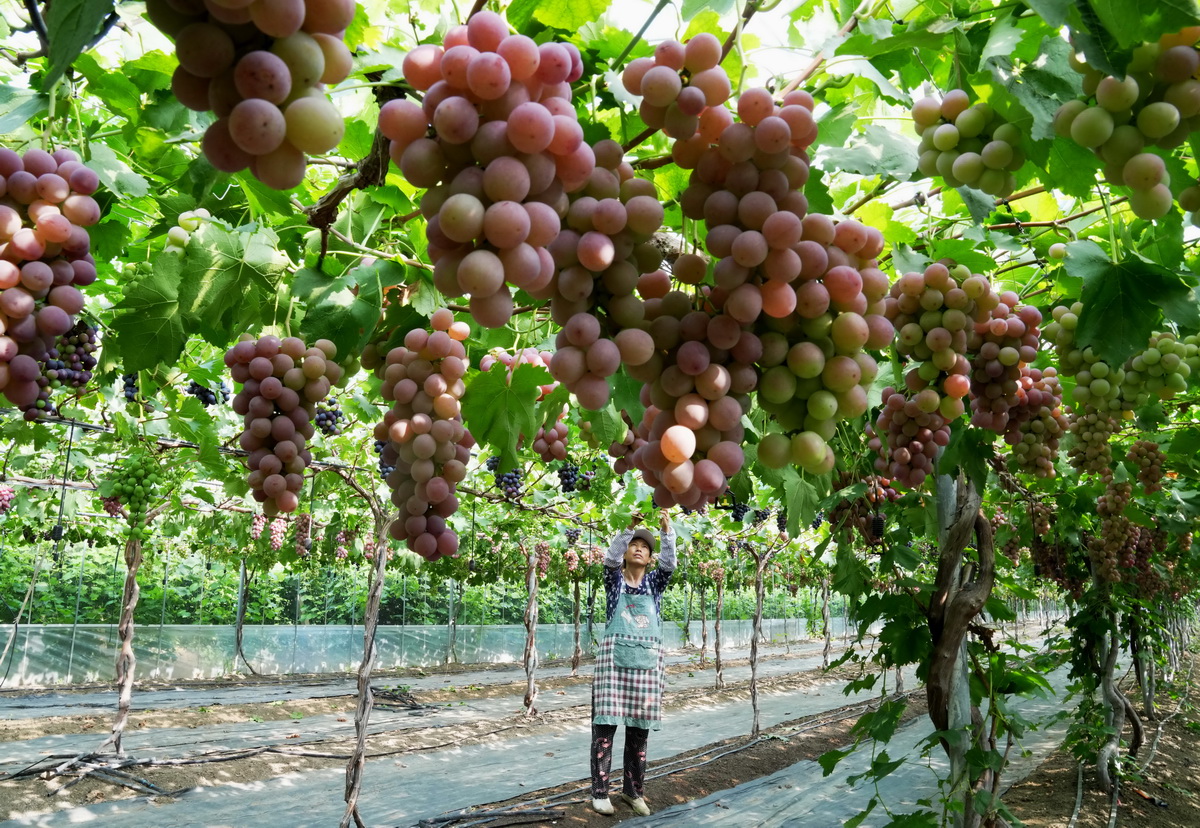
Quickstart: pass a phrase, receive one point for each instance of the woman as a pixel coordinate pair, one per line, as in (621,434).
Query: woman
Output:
(628,683)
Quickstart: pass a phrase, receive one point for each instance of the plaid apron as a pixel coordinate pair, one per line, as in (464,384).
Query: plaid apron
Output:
(628,682)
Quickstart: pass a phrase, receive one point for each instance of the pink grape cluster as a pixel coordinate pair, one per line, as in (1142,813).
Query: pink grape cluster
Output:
(543,559)
(1151,464)
(282,382)
(261,67)
(602,255)
(525,356)
(505,151)
(304,540)
(1001,347)
(712,569)
(277,533)
(341,545)
(1037,422)
(45,204)
(932,313)
(906,439)
(7,496)
(551,444)
(679,84)
(257,524)
(426,441)
(571,559)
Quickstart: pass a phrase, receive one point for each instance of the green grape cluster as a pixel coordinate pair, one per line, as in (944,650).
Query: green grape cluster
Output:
(1097,384)
(1159,372)
(187,223)
(967,145)
(1156,104)
(134,483)
(1091,429)
(1151,464)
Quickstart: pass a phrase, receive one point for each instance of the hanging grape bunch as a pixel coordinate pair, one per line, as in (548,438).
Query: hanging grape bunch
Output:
(738,510)
(328,419)
(967,145)
(261,69)
(48,204)
(543,559)
(426,440)
(188,222)
(68,362)
(1001,346)
(129,387)
(385,468)
(1041,422)
(134,482)
(573,533)
(1091,452)
(207,396)
(1110,548)
(257,524)
(342,543)
(8,495)
(282,382)
(277,533)
(304,541)
(568,477)
(505,148)
(1151,464)
(1122,118)
(551,444)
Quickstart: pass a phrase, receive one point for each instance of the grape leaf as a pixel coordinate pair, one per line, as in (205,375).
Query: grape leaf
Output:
(344,309)
(148,325)
(1122,300)
(115,174)
(691,8)
(970,449)
(70,26)
(1053,12)
(879,151)
(1132,21)
(497,411)
(17,106)
(229,281)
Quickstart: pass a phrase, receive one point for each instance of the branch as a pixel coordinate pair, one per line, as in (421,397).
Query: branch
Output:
(879,190)
(476,9)
(816,62)
(662,4)
(39,25)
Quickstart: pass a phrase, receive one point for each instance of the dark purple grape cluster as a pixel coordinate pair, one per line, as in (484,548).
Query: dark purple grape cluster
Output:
(739,510)
(568,477)
(761,516)
(129,387)
(384,467)
(573,533)
(509,482)
(207,396)
(329,420)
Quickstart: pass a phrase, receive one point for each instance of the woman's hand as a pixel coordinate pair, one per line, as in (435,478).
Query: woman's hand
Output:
(664,520)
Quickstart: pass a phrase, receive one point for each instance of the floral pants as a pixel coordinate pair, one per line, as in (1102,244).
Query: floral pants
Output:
(635,759)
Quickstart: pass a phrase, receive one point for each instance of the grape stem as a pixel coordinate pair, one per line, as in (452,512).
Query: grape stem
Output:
(879,190)
(662,4)
(38,24)
(476,9)
(864,7)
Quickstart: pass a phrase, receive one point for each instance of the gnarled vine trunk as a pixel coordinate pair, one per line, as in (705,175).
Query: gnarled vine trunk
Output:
(826,624)
(126,660)
(759,589)
(720,678)
(577,651)
(531,618)
(240,625)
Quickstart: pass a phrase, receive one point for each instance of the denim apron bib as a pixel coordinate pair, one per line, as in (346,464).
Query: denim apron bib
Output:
(628,684)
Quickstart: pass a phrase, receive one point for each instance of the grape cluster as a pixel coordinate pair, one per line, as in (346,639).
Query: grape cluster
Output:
(711,569)
(426,440)
(341,544)
(304,541)
(605,261)
(933,313)
(817,521)
(968,146)
(1151,464)
(761,516)
(551,444)
(1156,104)
(282,382)
(135,482)
(385,468)
(1159,372)
(277,533)
(187,223)
(1091,453)
(261,68)
(573,534)
(906,438)
(1040,421)
(571,560)
(781,521)
(681,86)
(48,202)
(129,387)
(1001,347)
(257,524)
(568,477)
(509,482)
(207,396)
(861,514)
(7,496)
(542,549)
(528,356)
(1116,540)
(329,419)
(1097,383)
(71,361)
(505,149)
(1040,515)
(112,506)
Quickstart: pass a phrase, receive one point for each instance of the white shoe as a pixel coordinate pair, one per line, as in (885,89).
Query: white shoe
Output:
(604,806)
(637,803)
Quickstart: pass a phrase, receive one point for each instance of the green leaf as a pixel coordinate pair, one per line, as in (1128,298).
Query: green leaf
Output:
(963,251)
(1130,22)
(1053,12)
(497,412)
(858,818)
(148,326)
(115,173)
(568,15)
(970,449)
(230,279)
(691,8)
(1121,301)
(71,25)
(830,759)
(18,105)
(345,309)
(879,151)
